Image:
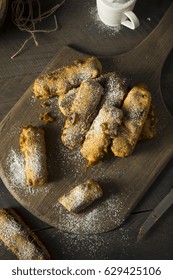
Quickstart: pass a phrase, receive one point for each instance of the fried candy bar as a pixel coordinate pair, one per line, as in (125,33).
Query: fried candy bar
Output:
(61,80)
(150,126)
(135,110)
(99,136)
(81,196)
(32,145)
(83,111)
(65,101)
(115,89)
(18,237)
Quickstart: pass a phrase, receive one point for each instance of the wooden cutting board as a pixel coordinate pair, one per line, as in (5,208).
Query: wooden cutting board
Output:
(125,180)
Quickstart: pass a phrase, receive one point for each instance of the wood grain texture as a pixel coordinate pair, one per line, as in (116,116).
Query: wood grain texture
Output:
(127,178)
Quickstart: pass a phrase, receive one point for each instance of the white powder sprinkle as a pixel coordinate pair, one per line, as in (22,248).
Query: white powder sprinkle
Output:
(110,30)
(16,165)
(18,238)
(35,162)
(15,168)
(70,160)
(95,246)
(33,100)
(89,246)
(93,219)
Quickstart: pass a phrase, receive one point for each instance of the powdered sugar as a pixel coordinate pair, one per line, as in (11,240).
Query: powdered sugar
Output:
(16,166)
(83,111)
(94,219)
(95,246)
(115,89)
(101,26)
(33,163)
(18,238)
(32,144)
(82,195)
(70,160)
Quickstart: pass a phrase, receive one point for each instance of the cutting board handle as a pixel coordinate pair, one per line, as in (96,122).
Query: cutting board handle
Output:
(154,50)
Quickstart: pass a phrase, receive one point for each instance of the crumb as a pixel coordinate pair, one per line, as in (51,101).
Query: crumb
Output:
(46,118)
(45,104)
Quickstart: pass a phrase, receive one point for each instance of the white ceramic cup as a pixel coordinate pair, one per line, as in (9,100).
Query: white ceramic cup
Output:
(118,12)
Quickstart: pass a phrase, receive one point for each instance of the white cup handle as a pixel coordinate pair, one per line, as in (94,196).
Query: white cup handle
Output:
(132,22)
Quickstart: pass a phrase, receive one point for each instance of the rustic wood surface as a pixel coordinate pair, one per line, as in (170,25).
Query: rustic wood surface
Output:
(18,74)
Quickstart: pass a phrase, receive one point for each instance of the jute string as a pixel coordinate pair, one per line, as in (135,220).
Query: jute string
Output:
(27,22)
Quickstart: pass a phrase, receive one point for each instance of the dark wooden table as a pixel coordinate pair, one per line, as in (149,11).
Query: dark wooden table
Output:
(78,27)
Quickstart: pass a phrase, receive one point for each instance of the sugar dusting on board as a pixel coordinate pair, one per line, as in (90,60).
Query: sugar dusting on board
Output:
(15,166)
(110,30)
(94,219)
(70,160)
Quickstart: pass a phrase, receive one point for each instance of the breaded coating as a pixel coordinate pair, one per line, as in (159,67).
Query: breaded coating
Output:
(18,237)
(115,89)
(105,125)
(65,101)
(83,111)
(135,110)
(81,196)
(32,145)
(149,130)
(61,80)
(98,138)
(46,118)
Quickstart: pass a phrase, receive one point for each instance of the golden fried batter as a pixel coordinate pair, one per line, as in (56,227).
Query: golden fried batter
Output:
(105,125)
(98,138)
(32,144)
(83,111)
(46,118)
(115,89)
(81,196)
(17,236)
(65,101)
(149,129)
(114,92)
(135,110)
(60,81)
